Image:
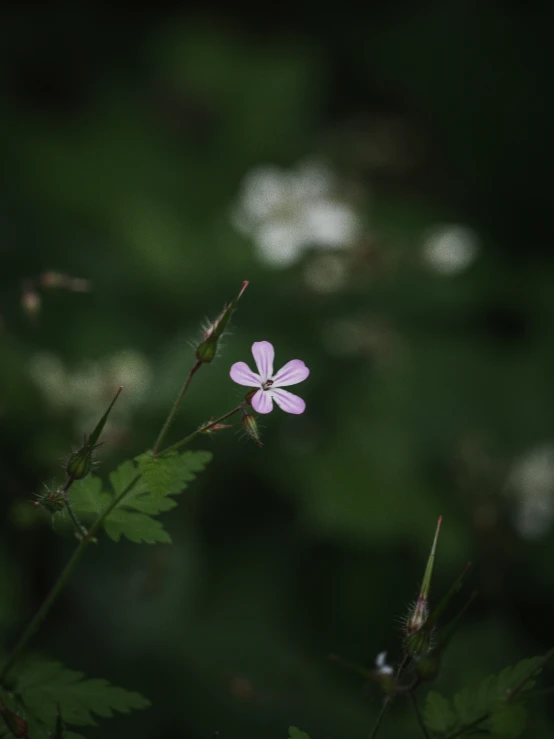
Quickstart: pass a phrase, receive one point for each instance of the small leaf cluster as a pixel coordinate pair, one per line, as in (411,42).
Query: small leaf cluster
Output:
(153,482)
(42,691)
(492,707)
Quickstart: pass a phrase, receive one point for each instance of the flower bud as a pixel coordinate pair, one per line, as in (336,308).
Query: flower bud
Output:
(250,425)
(79,463)
(428,667)
(16,725)
(213,427)
(420,611)
(207,350)
(418,643)
(51,500)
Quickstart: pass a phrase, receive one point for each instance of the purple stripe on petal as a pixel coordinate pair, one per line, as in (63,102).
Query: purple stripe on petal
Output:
(262,401)
(288,402)
(243,375)
(291,373)
(263,354)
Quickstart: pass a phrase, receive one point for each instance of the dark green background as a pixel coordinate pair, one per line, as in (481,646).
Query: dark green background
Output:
(126,135)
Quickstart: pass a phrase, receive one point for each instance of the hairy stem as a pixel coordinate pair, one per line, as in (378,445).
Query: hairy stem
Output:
(201,430)
(173,412)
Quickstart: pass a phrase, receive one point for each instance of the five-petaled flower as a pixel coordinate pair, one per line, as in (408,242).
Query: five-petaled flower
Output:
(270,384)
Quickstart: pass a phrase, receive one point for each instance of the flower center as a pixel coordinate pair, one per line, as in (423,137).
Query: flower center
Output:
(267,384)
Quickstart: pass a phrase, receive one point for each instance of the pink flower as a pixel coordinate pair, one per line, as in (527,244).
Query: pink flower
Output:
(270,384)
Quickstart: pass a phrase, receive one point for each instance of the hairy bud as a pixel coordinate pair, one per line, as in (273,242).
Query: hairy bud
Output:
(207,350)
(250,425)
(51,500)
(80,463)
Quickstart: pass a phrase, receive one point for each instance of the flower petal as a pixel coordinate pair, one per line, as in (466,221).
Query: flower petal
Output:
(262,401)
(263,354)
(243,375)
(291,373)
(288,402)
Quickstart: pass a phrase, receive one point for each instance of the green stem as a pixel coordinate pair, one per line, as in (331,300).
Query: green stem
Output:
(44,609)
(79,528)
(388,700)
(201,430)
(61,582)
(88,536)
(413,701)
(173,412)
(382,713)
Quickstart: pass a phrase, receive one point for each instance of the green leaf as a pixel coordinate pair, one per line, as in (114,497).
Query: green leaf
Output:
(86,496)
(295,733)
(170,474)
(137,527)
(42,686)
(507,721)
(148,497)
(438,714)
(473,702)
(486,703)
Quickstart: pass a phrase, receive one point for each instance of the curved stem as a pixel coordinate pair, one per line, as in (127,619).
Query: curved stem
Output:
(413,701)
(173,412)
(382,713)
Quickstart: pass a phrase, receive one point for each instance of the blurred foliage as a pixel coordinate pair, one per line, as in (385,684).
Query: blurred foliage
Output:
(127,137)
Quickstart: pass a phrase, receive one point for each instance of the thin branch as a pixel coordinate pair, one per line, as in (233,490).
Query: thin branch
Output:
(413,701)
(202,430)
(173,412)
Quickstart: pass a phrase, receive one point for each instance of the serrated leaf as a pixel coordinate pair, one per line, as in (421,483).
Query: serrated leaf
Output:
(473,702)
(438,714)
(295,733)
(507,721)
(86,495)
(137,527)
(149,496)
(170,474)
(42,686)
(486,702)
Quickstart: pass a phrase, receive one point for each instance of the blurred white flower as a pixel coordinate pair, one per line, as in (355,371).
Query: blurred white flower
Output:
(450,249)
(325,273)
(88,389)
(381,664)
(531,480)
(287,212)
